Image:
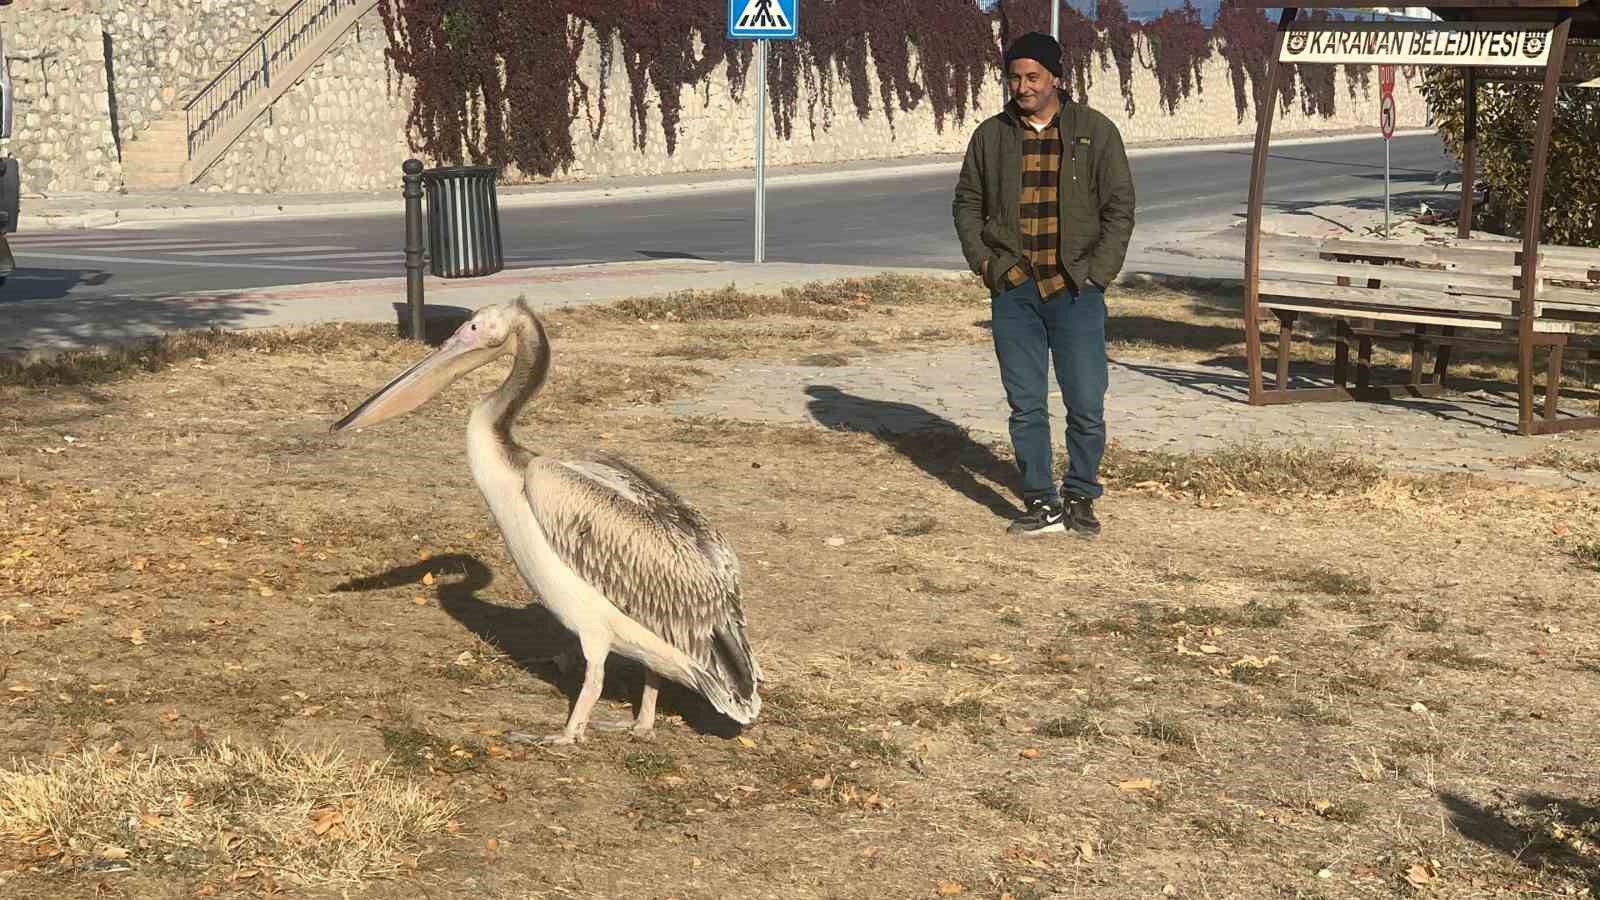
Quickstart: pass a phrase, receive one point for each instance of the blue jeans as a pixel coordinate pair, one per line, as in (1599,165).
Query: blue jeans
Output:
(1029,331)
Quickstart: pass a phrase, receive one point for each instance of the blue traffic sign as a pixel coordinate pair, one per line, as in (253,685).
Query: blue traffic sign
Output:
(777,20)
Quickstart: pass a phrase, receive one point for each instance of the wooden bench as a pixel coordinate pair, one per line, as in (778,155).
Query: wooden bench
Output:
(1458,292)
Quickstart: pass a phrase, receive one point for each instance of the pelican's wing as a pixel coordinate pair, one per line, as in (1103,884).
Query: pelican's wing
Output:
(657,559)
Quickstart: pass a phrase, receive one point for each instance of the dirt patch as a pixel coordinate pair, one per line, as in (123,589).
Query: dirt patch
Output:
(1274,675)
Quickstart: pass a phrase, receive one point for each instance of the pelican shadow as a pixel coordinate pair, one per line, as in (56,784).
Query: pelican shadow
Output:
(532,637)
(1526,838)
(933,443)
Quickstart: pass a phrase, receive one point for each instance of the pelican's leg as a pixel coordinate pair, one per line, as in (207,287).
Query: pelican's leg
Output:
(594,676)
(644,727)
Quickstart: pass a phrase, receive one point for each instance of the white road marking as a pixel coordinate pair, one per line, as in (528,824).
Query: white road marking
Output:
(191,263)
(378,255)
(263,250)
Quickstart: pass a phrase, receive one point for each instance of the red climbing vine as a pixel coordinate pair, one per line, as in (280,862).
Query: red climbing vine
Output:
(1080,39)
(1179,47)
(505,81)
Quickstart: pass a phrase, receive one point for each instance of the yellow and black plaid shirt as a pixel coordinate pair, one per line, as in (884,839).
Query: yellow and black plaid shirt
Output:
(1041,210)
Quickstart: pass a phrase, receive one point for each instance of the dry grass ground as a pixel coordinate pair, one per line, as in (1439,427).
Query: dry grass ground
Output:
(241,656)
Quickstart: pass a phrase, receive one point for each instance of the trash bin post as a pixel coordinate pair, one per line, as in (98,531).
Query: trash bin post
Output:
(412,191)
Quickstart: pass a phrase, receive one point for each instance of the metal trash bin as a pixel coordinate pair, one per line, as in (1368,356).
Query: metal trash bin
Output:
(463,221)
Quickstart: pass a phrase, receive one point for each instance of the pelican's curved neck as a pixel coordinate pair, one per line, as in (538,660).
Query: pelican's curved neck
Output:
(529,368)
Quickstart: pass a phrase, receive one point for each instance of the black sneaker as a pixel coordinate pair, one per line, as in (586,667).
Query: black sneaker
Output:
(1043,517)
(1080,516)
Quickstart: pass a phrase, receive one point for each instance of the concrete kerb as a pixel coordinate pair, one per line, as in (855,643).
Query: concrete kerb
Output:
(534,196)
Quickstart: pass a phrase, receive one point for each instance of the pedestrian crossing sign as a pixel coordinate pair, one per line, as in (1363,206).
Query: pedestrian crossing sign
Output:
(777,20)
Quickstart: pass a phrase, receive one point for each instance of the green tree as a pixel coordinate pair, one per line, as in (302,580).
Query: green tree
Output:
(1507,120)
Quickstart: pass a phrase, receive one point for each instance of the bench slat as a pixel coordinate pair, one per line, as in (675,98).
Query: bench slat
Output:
(1419,318)
(1414,316)
(1485,261)
(1406,298)
(1570,296)
(1587,256)
(1398,276)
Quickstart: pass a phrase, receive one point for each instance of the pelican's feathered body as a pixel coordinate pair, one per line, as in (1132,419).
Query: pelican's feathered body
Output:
(615,555)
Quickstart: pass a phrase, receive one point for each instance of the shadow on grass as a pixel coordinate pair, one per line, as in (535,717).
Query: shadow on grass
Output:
(532,637)
(1527,832)
(933,443)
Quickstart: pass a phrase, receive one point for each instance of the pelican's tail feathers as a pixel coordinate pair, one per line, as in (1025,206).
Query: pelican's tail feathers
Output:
(742,706)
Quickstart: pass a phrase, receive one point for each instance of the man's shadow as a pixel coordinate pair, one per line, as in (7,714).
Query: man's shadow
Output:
(933,443)
(533,638)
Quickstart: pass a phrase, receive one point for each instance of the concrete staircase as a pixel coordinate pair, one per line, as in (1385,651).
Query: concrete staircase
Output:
(158,158)
(178,148)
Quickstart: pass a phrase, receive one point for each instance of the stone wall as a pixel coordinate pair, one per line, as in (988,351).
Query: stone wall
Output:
(337,129)
(70,120)
(342,127)
(342,130)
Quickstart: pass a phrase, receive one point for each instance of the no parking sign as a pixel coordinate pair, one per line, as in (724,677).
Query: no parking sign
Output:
(1386,100)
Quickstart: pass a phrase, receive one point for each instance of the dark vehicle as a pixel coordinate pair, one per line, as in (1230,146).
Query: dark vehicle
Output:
(10,174)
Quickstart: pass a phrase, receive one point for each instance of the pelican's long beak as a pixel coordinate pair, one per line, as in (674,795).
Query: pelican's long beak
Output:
(420,383)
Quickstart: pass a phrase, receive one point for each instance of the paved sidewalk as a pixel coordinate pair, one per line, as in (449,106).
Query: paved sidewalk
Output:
(1149,406)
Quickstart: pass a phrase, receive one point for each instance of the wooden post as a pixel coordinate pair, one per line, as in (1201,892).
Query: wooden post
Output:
(1469,151)
(1285,345)
(1441,359)
(1552,388)
(1418,347)
(1533,222)
(1252,238)
(1341,353)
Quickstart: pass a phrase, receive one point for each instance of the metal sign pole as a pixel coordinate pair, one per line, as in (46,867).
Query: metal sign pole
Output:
(762,21)
(1386,188)
(1055,19)
(761,152)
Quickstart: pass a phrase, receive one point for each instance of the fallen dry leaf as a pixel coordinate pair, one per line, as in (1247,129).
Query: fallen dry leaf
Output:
(136,638)
(323,820)
(745,742)
(1137,784)
(427,578)
(1030,753)
(1419,874)
(951,888)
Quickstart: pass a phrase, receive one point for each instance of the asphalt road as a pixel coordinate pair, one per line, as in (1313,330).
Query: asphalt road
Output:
(902,221)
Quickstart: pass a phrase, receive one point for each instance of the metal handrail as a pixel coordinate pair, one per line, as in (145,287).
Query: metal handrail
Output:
(216,103)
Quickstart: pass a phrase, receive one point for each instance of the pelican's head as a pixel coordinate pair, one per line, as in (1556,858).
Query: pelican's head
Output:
(491,333)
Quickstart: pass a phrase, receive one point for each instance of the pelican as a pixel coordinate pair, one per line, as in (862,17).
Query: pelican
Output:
(615,555)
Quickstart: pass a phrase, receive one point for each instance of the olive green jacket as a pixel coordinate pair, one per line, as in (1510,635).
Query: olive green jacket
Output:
(1096,197)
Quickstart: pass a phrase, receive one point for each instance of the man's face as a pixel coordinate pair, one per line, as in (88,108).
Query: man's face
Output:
(1031,84)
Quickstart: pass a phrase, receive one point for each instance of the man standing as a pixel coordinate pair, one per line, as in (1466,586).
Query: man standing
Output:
(1044,211)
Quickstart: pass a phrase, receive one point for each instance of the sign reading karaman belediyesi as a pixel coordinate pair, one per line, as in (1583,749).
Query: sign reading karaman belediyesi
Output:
(1417,43)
